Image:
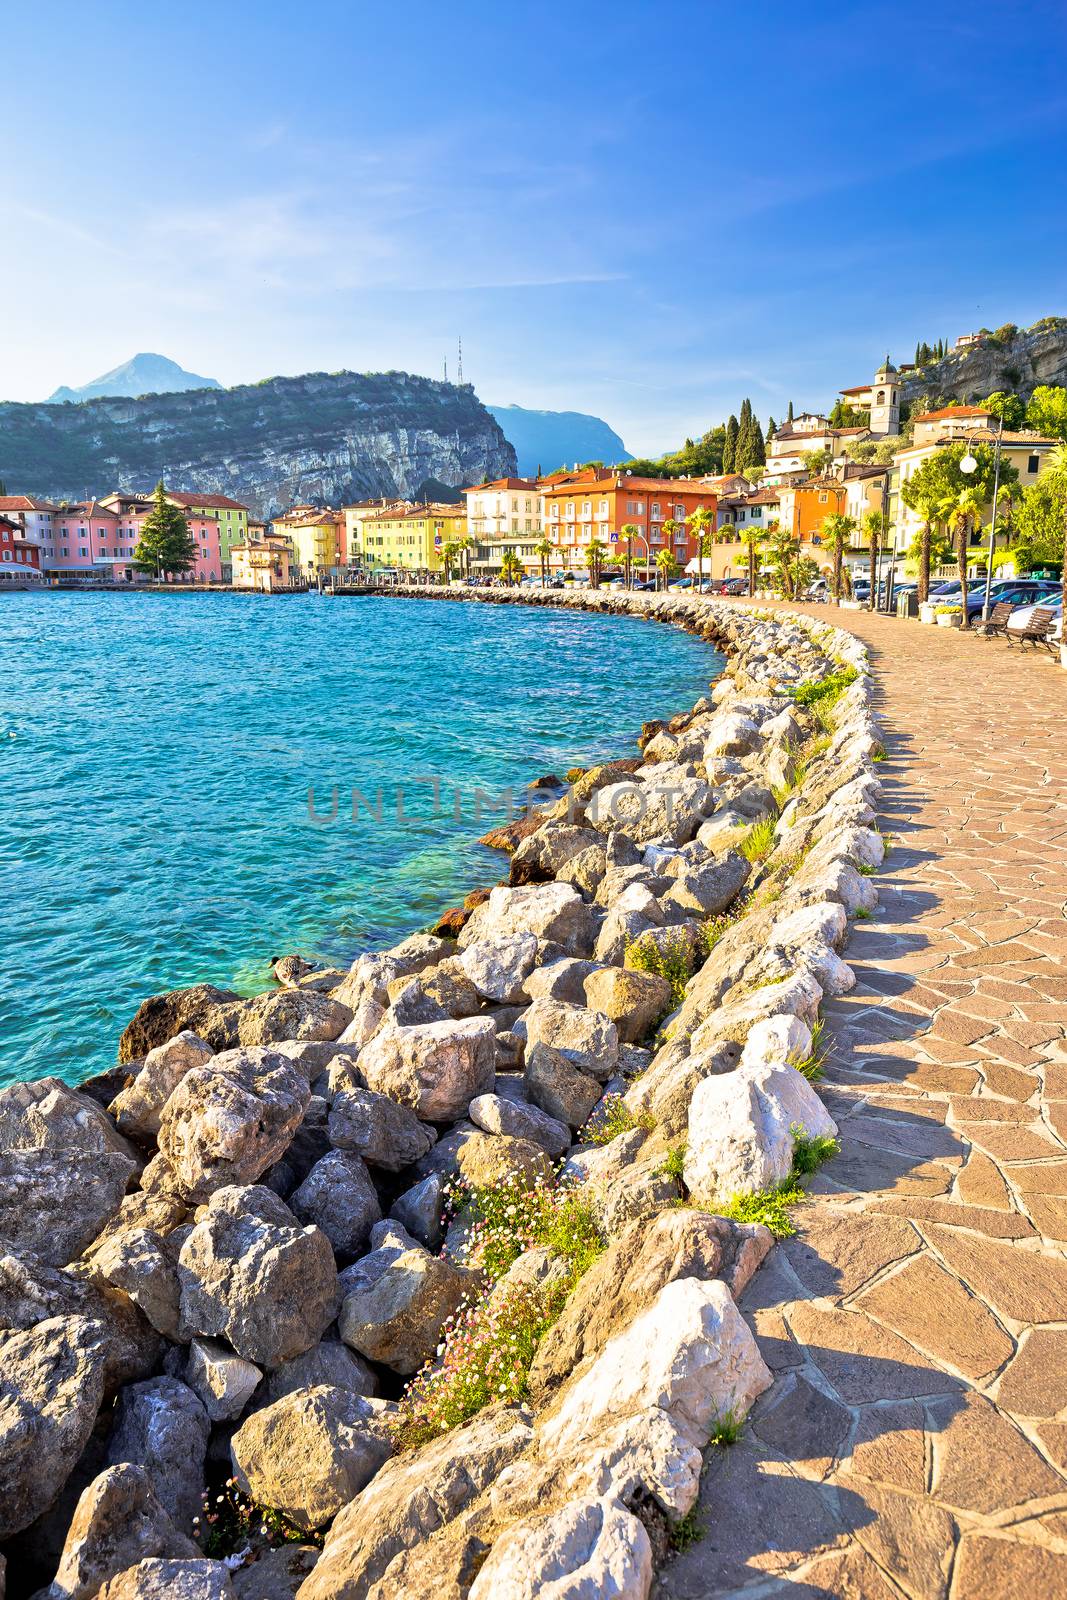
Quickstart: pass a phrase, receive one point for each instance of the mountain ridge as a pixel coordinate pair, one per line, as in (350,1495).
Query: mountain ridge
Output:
(145,373)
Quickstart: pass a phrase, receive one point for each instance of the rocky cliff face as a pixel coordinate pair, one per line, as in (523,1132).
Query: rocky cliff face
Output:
(1017,363)
(323,437)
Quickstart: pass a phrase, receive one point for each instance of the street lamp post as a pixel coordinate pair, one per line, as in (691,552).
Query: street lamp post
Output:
(968,465)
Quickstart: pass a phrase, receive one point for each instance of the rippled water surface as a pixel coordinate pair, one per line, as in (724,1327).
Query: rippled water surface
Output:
(157,754)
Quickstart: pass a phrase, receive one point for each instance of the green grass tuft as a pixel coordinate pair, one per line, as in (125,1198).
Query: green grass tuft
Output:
(772,1206)
(830,688)
(728,1429)
(612,1118)
(814,1063)
(758,842)
(688,1532)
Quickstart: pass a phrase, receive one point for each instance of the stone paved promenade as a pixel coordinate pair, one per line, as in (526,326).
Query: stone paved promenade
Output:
(915,1443)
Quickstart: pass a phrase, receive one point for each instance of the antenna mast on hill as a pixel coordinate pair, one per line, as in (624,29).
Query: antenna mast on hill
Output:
(446,369)
(459,375)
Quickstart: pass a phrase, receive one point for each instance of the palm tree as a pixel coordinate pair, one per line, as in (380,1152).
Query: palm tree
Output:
(670,528)
(448,555)
(963,513)
(594,555)
(785,551)
(511,568)
(752,536)
(630,531)
(837,531)
(544,552)
(701,523)
(666,566)
(875,524)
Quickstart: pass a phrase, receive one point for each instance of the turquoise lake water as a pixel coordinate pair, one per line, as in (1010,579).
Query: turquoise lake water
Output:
(157,755)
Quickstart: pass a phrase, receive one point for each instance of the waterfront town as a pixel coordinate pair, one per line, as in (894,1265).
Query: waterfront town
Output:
(825,485)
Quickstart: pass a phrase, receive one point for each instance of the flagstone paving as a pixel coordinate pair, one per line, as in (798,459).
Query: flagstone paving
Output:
(915,1441)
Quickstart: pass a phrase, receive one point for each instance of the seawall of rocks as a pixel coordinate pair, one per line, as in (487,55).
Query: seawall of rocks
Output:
(224,1262)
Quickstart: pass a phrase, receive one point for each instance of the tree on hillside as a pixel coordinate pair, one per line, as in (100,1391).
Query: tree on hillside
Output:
(1040,521)
(837,531)
(166,545)
(729,446)
(1046,411)
(1008,407)
(701,526)
(753,453)
(769,430)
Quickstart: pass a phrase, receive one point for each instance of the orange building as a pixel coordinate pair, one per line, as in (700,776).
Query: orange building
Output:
(598,503)
(805,506)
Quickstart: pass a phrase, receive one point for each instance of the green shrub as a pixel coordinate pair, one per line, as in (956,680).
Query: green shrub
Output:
(863,914)
(829,688)
(814,1062)
(687,1532)
(772,1206)
(758,842)
(673,962)
(488,1346)
(613,1117)
(810,1153)
(673,1166)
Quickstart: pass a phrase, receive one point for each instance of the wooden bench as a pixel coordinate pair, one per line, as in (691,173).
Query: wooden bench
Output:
(1037,631)
(997,621)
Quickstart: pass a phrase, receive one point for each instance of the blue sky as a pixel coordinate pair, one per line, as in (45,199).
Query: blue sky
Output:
(644,211)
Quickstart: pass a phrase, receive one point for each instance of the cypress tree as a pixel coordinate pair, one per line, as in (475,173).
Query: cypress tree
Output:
(729,444)
(756,455)
(770,428)
(918,354)
(789,413)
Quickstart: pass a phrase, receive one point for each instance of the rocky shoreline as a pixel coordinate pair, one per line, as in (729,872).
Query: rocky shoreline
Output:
(419,1278)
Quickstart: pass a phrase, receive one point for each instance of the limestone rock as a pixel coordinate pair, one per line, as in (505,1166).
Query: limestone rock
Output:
(222,1382)
(367,1017)
(165,1579)
(557,1087)
(689,1354)
(329,1362)
(671,810)
(384,1133)
(340,1198)
(418,1209)
(487,1159)
(633,1001)
(560,980)
(411,1497)
(277,1575)
(588,1548)
(143,1265)
(449,985)
(552,911)
(162,1426)
(203,1009)
(398,1318)
(711,887)
(435,1069)
(118,1522)
(585,871)
(136,1108)
(666,1090)
(51,1385)
(311,1452)
(250,1272)
(53,1205)
(499,1115)
(291,1014)
(741,1124)
(498,967)
(588,1039)
(227,1122)
(623,1281)
(409,1004)
(47,1114)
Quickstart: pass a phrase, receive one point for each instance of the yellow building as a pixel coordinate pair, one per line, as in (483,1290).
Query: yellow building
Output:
(317,538)
(261,564)
(411,538)
(356,516)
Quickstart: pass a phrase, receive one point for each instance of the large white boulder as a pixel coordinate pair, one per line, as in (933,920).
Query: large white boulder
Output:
(590,1548)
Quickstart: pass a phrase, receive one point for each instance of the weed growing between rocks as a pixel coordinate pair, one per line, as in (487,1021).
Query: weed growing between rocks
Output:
(863,914)
(687,1532)
(488,1346)
(758,842)
(771,1206)
(728,1430)
(231,1523)
(866,871)
(825,690)
(673,962)
(613,1117)
(814,1063)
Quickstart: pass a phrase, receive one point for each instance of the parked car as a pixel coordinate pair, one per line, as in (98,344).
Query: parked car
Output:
(1018,619)
(645,585)
(1019,591)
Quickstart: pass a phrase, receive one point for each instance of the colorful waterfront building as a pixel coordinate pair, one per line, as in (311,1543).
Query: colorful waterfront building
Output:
(412,538)
(20,557)
(356,516)
(36,519)
(262,563)
(318,540)
(230,515)
(505,508)
(598,503)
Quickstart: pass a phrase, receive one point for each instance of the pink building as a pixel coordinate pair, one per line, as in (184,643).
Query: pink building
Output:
(96,541)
